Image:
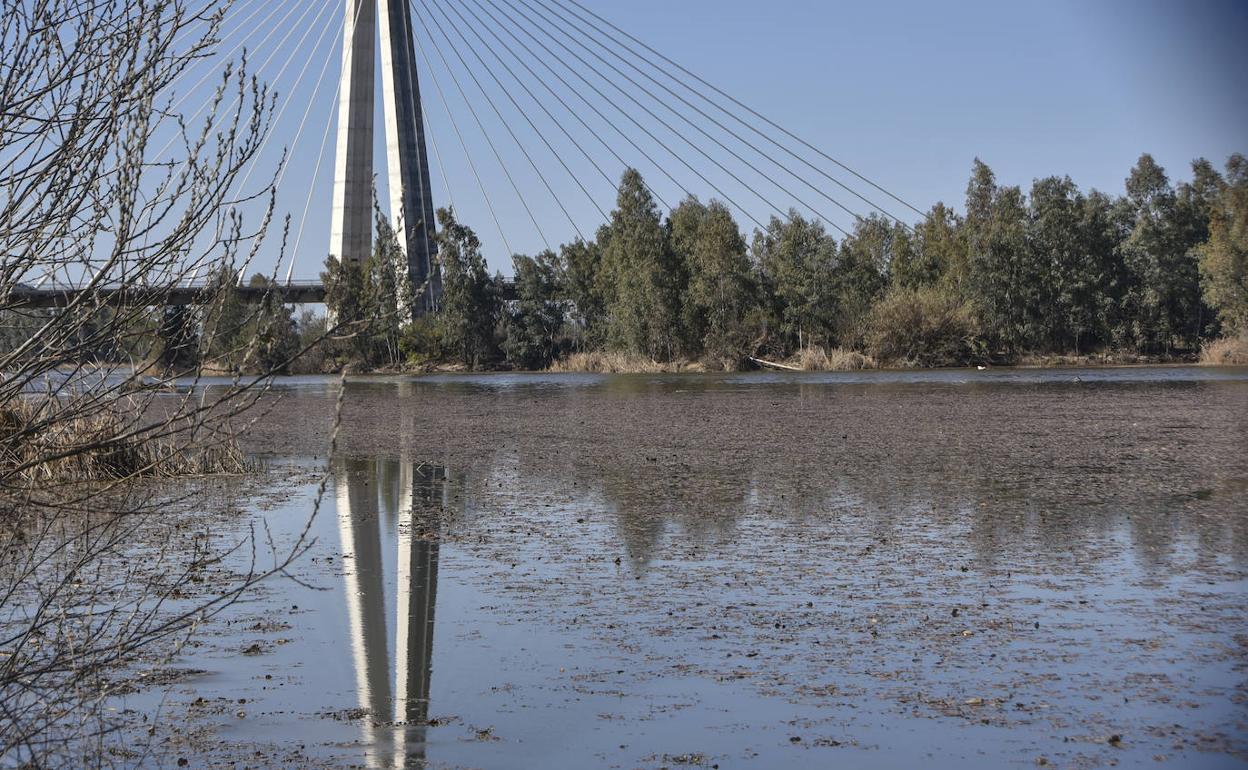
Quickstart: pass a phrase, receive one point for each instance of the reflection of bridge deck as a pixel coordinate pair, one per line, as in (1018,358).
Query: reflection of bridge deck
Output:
(295,293)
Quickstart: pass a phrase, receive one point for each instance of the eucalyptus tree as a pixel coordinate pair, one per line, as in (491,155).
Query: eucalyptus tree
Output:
(470,300)
(861,275)
(684,223)
(271,330)
(795,260)
(1224,257)
(1163,299)
(640,278)
(996,225)
(938,254)
(580,263)
(720,295)
(534,325)
(1060,271)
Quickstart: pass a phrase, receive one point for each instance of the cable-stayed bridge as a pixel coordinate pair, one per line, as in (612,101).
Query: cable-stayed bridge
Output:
(526,111)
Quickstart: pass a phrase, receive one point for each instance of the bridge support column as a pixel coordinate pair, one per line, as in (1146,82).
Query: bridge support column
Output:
(411,200)
(351,238)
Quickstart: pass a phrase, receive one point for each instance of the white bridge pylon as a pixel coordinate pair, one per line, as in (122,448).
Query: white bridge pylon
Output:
(407,163)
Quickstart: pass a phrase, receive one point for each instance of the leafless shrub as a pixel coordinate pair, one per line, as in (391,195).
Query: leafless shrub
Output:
(91,400)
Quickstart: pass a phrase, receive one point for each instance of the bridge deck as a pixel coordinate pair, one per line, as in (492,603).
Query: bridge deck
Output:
(295,293)
(299,293)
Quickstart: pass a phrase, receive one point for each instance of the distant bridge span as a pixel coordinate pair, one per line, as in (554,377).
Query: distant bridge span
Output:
(294,293)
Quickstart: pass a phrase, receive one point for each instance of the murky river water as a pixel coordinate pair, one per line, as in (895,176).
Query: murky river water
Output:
(941,569)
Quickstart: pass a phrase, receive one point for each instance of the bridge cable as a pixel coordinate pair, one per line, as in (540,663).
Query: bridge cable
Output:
(330,5)
(554,55)
(184,34)
(574,113)
(259,70)
(234,101)
(480,125)
(506,124)
(558,157)
(518,107)
(213,71)
(751,111)
(819,191)
(446,107)
(666,125)
(669,127)
(200,19)
(442,170)
(621,110)
(179,75)
(607,177)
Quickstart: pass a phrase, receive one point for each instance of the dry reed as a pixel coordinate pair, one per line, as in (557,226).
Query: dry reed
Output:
(101,447)
(817,359)
(600,362)
(1228,351)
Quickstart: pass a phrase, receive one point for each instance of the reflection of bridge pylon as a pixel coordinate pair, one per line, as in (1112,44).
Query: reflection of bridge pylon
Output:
(411,199)
(375,498)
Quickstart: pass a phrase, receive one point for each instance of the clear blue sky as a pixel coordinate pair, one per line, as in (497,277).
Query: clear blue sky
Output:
(906,92)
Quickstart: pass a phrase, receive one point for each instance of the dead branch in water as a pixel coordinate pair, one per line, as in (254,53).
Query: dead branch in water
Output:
(774,365)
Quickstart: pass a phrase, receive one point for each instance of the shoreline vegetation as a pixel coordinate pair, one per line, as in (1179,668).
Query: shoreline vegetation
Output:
(1222,353)
(1218,353)
(1055,276)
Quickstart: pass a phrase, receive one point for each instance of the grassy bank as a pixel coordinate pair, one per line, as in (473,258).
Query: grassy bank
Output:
(1224,352)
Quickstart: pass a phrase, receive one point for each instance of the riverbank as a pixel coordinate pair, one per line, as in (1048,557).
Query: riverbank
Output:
(841,360)
(1220,353)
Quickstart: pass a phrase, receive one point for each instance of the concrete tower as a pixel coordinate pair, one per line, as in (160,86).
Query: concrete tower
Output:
(411,202)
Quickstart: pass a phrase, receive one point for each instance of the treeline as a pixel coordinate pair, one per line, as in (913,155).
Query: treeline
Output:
(1159,270)
(1055,270)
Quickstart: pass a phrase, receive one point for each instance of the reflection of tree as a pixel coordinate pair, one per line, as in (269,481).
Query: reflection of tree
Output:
(968,464)
(389,528)
(1004,472)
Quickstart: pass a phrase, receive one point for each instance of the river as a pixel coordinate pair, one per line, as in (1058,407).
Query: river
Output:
(936,569)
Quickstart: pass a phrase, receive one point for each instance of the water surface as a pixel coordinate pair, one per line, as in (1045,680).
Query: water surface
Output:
(939,569)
